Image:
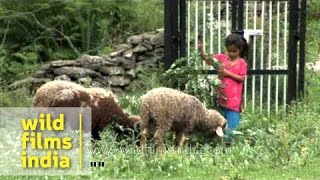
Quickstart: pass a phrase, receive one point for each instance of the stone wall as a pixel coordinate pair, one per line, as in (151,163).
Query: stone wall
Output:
(116,70)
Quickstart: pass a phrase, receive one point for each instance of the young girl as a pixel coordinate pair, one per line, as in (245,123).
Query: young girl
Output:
(232,73)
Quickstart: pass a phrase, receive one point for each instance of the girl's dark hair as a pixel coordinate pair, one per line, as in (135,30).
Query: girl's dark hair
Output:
(236,38)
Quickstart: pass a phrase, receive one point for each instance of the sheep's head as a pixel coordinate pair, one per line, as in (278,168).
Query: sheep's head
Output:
(133,121)
(216,122)
(130,127)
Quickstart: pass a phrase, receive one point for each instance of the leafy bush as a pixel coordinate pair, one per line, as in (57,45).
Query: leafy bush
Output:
(147,79)
(186,74)
(15,99)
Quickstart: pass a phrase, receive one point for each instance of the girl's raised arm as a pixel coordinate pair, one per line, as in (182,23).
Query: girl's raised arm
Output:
(204,56)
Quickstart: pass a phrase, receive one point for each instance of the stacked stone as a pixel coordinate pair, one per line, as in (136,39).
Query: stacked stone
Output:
(116,70)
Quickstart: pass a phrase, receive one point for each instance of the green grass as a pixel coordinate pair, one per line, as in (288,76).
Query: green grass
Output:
(276,147)
(19,98)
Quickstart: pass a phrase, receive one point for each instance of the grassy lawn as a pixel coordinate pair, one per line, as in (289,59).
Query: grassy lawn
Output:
(282,146)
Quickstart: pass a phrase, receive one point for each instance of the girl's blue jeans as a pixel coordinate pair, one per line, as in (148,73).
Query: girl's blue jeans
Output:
(233,122)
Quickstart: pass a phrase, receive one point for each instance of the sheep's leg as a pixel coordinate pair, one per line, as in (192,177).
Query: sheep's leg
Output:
(180,139)
(143,138)
(158,136)
(145,118)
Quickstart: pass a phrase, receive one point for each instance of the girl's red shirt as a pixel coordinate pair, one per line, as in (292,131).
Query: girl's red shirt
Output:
(231,89)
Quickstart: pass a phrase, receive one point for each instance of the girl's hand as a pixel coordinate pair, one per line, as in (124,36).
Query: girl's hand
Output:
(203,55)
(200,44)
(200,47)
(221,72)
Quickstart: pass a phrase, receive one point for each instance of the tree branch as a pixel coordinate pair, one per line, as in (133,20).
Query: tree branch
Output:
(67,38)
(5,34)
(23,14)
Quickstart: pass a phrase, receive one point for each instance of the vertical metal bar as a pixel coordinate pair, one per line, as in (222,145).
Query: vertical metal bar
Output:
(285,54)
(234,14)
(182,31)
(189,28)
(292,63)
(211,27)
(262,55)
(302,47)
(204,28)
(240,21)
(240,14)
(269,58)
(196,28)
(245,94)
(254,56)
(227,18)
(277,58)
(170,32)
(204,22)
(247,15)
(167,33)
(219,26)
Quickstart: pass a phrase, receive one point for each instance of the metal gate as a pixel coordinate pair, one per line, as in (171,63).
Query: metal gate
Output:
(275,30)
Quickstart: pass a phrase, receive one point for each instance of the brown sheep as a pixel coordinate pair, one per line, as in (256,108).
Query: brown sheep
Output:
(104,108)
(165,109)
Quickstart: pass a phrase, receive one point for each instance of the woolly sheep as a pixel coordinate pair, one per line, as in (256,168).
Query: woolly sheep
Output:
(164,109)
(104,108)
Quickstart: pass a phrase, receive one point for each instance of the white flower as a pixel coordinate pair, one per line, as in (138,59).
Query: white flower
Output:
(216,82)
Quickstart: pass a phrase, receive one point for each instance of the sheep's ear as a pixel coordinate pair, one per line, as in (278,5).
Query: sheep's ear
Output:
(136,126)
(219,131)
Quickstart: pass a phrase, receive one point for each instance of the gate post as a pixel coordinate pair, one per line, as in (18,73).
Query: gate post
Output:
(234,15)
(183,29)
(292,61)
(171,33)
(240,14)
(302,48)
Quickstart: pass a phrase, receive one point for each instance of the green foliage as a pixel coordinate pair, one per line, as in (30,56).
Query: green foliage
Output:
(282,146)
(313,40)
(131,103)
(148,15)
(313,31)
(185,74)
(312,9)
(15,99)
(45,30)
(147,79)
(11,70)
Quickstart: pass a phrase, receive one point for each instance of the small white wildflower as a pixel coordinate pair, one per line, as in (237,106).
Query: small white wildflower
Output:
(216,82)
